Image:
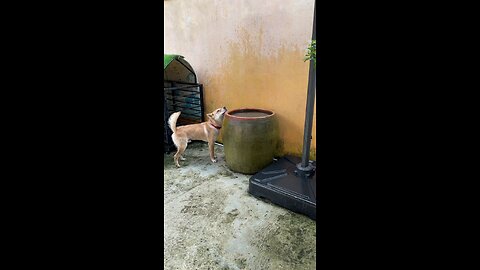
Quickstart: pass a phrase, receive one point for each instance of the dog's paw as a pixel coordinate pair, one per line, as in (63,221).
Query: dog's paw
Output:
(214,160)
(177,165)
(182,158)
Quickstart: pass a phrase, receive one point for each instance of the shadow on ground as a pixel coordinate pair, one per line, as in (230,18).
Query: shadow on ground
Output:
(211,222)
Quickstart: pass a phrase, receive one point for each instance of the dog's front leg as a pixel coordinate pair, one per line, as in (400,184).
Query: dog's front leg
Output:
(212,151)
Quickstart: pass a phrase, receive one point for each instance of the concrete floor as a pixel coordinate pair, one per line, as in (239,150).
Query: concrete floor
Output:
(211,222)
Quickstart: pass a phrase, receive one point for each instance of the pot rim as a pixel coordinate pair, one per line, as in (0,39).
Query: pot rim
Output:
(269,112)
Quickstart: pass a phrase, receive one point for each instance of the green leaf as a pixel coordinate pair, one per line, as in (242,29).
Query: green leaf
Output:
(311,52)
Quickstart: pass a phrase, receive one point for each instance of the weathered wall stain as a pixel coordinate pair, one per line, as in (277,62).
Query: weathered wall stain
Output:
(275,83)
(248,54)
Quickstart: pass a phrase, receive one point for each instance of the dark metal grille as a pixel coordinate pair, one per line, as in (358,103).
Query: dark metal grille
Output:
(184,97)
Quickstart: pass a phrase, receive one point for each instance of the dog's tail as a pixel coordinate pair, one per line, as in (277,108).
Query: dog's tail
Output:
(172,121)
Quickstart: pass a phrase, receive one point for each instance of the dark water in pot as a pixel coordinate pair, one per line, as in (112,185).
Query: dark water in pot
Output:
(250,114)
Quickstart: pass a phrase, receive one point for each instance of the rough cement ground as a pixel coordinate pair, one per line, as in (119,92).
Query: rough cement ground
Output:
(211,222)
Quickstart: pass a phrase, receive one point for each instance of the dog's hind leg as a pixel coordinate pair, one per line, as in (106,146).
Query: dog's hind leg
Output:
(178,155)
(181,144)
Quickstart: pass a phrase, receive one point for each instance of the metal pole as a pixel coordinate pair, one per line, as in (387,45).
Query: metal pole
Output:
(305,166)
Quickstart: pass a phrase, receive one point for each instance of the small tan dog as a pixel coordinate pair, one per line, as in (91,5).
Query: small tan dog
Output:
(206,131)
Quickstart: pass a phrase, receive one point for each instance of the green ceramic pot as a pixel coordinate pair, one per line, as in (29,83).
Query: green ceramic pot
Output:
(249,138)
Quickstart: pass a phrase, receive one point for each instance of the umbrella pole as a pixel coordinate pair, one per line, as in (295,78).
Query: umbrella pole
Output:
(305,168)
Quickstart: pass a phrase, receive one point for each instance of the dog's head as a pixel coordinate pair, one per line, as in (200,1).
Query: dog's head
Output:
(218,114)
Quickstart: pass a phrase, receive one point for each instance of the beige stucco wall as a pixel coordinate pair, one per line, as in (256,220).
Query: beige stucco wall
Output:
(248,53)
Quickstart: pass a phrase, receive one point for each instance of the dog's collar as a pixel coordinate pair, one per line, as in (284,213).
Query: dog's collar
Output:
(214,126)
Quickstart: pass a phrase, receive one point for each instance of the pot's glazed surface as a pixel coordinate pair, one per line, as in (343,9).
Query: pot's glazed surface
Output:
(249,138)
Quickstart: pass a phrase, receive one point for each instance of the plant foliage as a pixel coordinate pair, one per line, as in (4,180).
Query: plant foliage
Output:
(312,52)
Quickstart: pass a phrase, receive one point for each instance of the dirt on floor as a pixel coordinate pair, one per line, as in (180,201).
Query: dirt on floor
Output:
(211,222)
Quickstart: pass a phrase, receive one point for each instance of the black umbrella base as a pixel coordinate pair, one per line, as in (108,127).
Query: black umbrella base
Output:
(285,185)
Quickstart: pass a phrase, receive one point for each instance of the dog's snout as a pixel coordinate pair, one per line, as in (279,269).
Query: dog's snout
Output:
(225,108)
